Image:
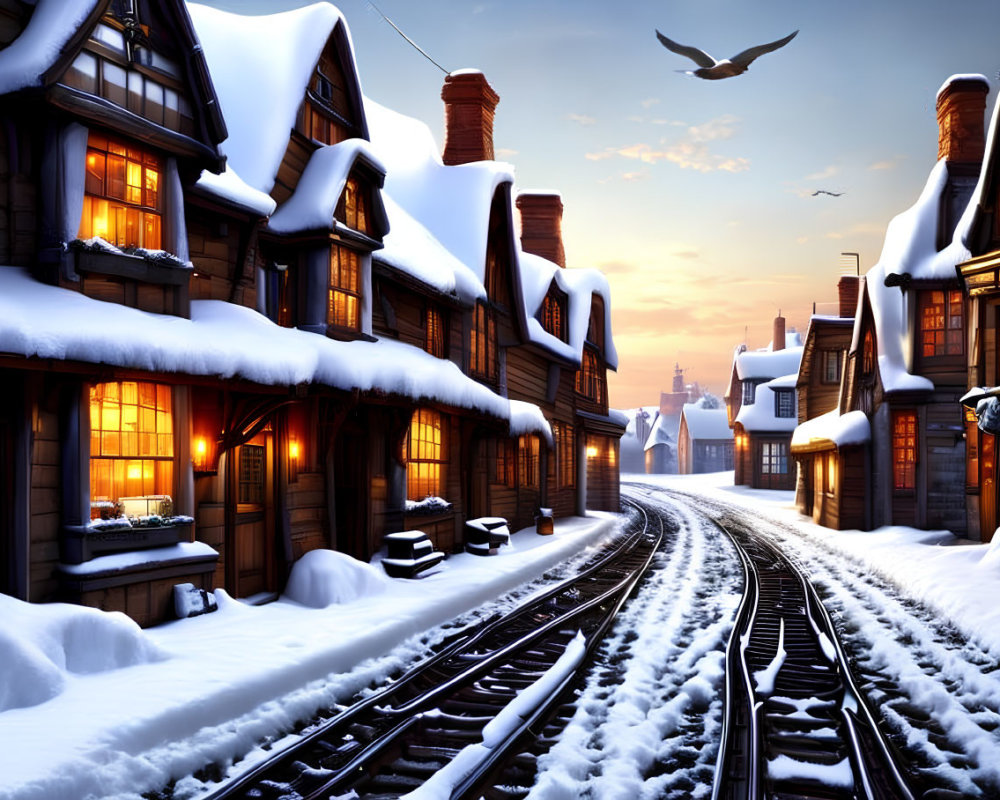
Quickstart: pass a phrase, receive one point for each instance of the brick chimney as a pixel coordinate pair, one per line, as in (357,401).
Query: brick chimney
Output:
(778,339)
(469,103)
(541,225)
(847,288)
(961,105)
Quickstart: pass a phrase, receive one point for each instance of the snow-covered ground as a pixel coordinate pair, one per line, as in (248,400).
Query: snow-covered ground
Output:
(93,707)
(918,612)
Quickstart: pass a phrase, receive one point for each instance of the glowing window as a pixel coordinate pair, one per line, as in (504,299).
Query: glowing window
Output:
(131,441)
(941,324)
(565,454)
(589,378)
(345,289)
(904,450)
(868,354)
(121,201)
(554,314)
(353,206)
(434,333)
(527,461)
(424,455)
(483,361)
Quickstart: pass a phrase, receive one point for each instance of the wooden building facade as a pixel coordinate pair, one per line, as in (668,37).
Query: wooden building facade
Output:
(241,393)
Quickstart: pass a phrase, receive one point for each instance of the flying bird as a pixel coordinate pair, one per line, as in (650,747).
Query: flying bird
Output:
(712,70)
(824,191)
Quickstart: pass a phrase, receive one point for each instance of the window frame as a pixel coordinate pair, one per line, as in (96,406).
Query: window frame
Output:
(940,328)
(782,398)
(773,455)
(905,441)
(351,293)
(590,382)
(831,358)
(484,360)
(420,450)
(528,461)
(435,336)
(564,437)
(553,314)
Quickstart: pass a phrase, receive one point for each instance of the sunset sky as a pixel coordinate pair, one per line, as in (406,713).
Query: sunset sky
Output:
(694,197)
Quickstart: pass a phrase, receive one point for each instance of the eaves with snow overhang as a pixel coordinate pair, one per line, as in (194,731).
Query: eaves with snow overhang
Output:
(710,424)
(831,431)
(817,324)
(759,416)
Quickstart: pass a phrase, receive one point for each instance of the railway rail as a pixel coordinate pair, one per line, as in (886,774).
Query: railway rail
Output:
(464,715)
(796,725)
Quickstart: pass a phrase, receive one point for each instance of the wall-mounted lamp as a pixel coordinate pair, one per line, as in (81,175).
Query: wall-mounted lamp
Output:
(591,452)
(293,450)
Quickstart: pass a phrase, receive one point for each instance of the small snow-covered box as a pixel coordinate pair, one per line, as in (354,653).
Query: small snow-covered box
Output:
(485,536)
(544,523)
(410,552)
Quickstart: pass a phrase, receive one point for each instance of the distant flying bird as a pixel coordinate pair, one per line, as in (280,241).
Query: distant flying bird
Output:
(824,191)
(713,70)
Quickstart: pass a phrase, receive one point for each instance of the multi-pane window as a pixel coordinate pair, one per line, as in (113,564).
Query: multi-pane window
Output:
(589,378)
(565,441)
(554,314)
(831,366)
(749,390)
(505,463)
(784,403)
(904,450)
(353,206)
(941,323)
(253,475)
(131,441)
(483,361)
(345,288)
(121,201)
(527,461)
(425,456)
(434,332)
(774,458)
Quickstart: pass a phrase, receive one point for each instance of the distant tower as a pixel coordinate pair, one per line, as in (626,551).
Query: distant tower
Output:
(678,378)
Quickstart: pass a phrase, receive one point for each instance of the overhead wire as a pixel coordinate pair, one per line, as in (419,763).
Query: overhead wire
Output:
(412,43)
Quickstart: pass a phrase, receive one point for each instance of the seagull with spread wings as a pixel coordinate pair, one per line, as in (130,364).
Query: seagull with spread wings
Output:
(713,70)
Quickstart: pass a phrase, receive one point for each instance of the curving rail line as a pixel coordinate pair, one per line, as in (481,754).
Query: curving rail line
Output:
(796,724)
(461,716)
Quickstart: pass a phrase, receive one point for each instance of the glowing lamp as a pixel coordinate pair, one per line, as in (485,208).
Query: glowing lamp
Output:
(591,452)
(293,450)
(200,459)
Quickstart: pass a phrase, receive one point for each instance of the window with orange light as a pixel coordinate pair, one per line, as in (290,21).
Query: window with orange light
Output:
(352,209)
(565,454)
(425,455)
(941,314)
(589,378)
(122,199)
(483,360)
(434,340)
(527,461)
(904,450)
(131,441)
(554,314)
(345,289)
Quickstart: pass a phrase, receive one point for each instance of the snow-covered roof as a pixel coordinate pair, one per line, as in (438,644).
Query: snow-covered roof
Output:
(971,76)
(767,364)
(52,24)
(664,431)
(706,423)
(833,429)
(759,416)
(452,203)
(261,66)
(580,285)
(315,198)
(528,418)
(224,340)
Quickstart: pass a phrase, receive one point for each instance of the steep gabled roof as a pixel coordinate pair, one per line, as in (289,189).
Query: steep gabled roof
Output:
(767,364)
(706,423)
(759,416)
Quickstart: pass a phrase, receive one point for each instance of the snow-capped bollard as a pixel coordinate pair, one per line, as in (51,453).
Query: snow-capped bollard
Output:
(544,524)
(485,536)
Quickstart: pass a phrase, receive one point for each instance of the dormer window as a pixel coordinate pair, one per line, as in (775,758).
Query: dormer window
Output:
(483,360)
(749,391)
(353,208)
(122,202)
(434,339)
(784,403)
(345,289)
(327,117)
(868,354)
(553,313)
(589,378)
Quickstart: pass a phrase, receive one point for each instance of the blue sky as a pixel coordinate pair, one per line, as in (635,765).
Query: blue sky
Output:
(694,196)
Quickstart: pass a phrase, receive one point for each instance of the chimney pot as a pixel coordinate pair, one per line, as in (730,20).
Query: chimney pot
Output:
(961,105)
(469,103)
(778,340)
(541,225)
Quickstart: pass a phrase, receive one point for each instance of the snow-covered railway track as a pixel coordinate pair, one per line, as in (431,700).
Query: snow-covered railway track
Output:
(451,719)
(796,723)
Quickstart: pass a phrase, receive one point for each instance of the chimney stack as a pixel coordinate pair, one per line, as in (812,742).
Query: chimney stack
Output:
(847,288)
(961,105)
(469,103)
(541,225)
(778,339)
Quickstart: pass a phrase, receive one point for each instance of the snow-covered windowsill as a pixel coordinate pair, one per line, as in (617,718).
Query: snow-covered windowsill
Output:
(83,542)
(150,266)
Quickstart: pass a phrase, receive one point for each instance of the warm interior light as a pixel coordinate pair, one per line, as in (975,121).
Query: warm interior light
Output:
(591,452)
(200,447)
(293,450)
(134,470)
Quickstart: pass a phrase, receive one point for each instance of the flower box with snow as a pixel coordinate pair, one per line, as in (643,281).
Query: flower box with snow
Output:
(81,543)
(429,506)
(409,553)
(485,536)
(147,266)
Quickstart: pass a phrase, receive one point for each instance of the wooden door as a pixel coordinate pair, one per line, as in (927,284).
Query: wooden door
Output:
(350,474)
(254,528)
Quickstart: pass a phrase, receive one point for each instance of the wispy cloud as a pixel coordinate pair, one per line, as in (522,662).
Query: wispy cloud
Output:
(582,119)
(686,254)
(823,174)
(649,102)
(887,163)
(505,152)
(691,151)
(633,177)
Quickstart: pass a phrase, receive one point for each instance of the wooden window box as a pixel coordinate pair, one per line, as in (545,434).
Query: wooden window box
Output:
(81,543)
